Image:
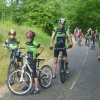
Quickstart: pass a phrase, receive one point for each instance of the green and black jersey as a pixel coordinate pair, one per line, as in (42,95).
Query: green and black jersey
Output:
(60,37)
(12,44)
(33,48)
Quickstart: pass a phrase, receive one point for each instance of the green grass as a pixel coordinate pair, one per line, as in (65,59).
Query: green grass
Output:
(41,38)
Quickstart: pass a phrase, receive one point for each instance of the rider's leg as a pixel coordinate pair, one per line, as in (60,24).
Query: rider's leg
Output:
(55,66)
(66,62)
(93,38)
(56,53)
(19,62)
(34,75)
(86,41)
(98,51)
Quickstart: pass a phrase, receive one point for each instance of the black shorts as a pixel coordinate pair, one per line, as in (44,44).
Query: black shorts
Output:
(19,59)
(56,52)
(32,64)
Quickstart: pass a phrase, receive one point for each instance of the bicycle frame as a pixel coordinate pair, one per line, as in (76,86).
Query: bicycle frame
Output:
(26,64)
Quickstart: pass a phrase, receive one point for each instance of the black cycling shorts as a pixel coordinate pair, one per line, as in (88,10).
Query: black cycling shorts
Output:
(19,59)
(56,52)
(32,64)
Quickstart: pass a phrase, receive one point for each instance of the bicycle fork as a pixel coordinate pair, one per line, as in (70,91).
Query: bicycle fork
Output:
(22,74)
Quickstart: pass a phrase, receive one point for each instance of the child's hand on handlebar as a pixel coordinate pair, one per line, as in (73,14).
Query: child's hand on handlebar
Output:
(51,47)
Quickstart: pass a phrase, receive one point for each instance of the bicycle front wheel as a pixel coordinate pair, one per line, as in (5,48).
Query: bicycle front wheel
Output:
(45,76)
(62,71)
(19,82)
(11,68)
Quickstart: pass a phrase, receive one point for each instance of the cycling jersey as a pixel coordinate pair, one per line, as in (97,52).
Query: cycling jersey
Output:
(60,37)
(32,47)
(12,44)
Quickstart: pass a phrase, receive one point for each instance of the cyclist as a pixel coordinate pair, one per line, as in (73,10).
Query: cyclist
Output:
(60,35)
(98,42)
(12,43)
(76,33)
(89,34)
(32,50)
(79,36)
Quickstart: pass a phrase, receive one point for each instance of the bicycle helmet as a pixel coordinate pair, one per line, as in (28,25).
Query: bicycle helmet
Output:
(30,34)
(12,32)
(62,21)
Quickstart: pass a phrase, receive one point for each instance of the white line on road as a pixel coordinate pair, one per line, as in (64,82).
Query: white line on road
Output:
(73,84)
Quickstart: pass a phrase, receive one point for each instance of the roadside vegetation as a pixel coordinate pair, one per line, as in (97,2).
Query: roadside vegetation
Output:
(41,38)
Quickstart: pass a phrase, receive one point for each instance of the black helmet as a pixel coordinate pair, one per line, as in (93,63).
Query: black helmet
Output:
(62,21)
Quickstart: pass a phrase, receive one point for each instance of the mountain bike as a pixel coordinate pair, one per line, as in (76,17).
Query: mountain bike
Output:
(90,43)
(15,55)
(23,77)
(62,67)
(79,40)
(14,64)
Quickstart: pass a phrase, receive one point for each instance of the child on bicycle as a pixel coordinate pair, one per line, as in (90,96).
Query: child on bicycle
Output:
(32,51)
(12,44)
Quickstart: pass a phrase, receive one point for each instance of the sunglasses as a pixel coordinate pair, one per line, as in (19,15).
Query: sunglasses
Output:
(12,34)
(28,37)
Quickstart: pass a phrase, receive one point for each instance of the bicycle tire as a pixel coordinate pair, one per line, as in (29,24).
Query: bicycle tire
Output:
(45,80)
(62,71)
(17,80)
(11,68)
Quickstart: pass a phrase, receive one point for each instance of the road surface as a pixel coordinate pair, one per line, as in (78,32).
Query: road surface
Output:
(82,84)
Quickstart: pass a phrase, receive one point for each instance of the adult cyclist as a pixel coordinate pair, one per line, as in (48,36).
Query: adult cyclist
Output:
(76,33)
(59,35)
(90,34)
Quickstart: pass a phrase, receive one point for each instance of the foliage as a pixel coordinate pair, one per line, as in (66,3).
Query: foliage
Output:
(41,13)
(46,13)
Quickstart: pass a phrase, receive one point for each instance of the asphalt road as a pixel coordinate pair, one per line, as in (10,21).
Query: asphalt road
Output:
(82,84)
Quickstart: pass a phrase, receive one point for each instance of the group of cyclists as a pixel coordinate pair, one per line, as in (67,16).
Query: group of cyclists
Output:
(59,35)
(31,49)
(90,36)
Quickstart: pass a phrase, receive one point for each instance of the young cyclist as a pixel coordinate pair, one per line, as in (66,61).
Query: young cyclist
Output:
(12,43)
(32,50)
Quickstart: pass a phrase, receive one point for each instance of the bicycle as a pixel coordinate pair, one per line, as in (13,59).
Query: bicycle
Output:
(62,67)
(90,43)
(79,40)
(15,55)
(23,77)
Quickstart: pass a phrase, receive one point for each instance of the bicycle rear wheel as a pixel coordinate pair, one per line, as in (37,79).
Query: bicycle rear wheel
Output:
(45,76)
(22,82)
(62,71)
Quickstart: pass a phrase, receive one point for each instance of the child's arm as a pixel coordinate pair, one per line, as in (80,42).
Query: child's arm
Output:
(6,45)
(41,48)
